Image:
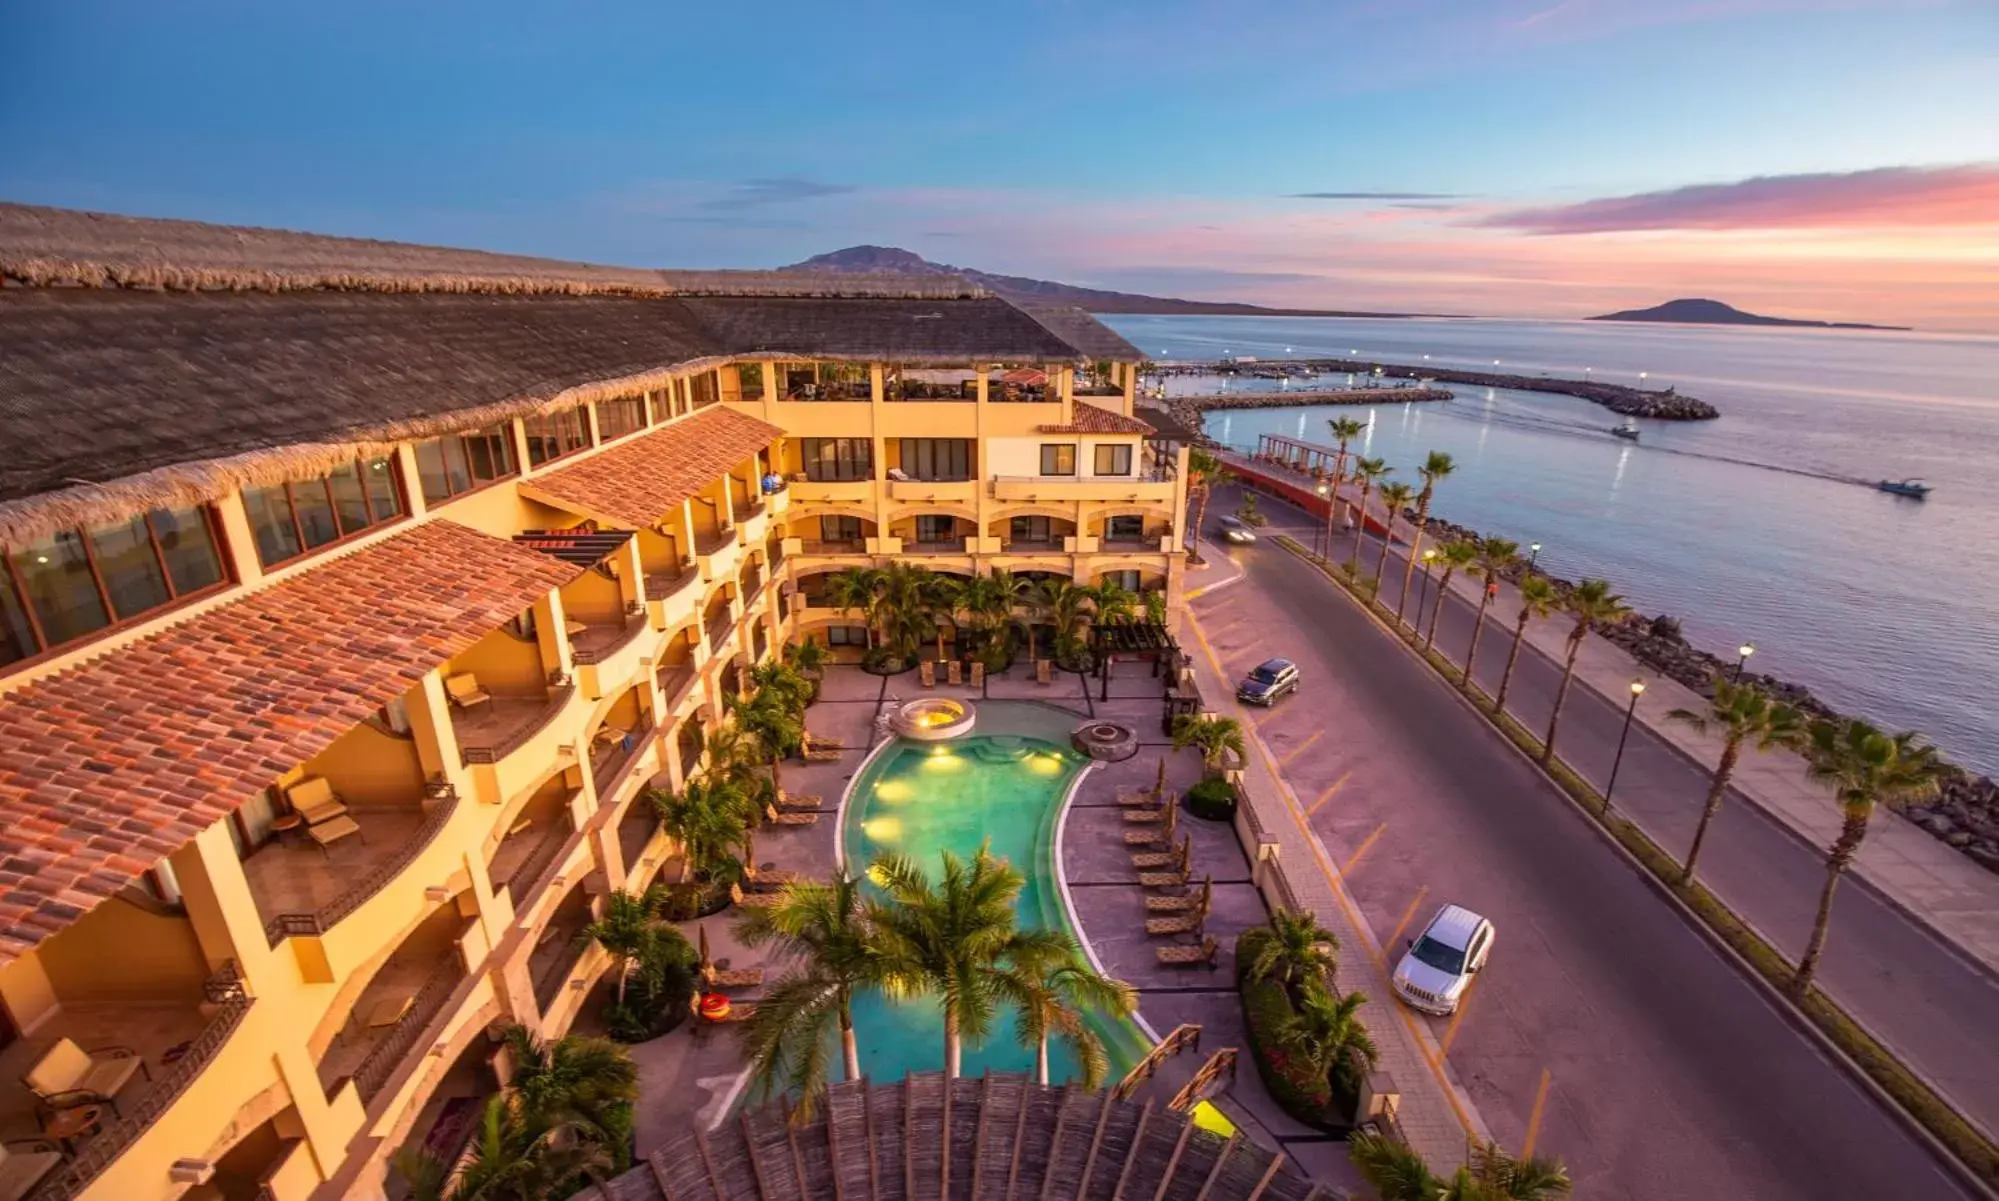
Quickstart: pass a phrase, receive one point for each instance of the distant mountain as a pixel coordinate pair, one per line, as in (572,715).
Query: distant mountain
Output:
(891,260)
(1714,312)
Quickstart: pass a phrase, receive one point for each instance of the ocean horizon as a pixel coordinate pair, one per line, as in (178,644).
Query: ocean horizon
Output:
(1764,525)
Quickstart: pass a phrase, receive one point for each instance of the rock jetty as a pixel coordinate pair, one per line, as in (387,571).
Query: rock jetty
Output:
(1965,812)
(1188,409)
(1662,405)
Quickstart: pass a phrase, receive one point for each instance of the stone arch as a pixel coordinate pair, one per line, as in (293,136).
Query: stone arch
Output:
(1032,509)
(934,507)
(829,508)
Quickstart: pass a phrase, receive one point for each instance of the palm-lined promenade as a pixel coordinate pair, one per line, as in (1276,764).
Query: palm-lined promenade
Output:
(1920,997)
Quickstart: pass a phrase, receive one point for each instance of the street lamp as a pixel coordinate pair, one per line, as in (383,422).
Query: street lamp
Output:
(1326,494)
(1745,650)
(1533,553)
(1641,381)
(1637,690)
(1429,554)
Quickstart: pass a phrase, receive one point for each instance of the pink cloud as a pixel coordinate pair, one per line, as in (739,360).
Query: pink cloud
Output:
(1883,197)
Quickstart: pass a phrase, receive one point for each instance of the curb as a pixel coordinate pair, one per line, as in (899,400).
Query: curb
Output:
(1780,1002)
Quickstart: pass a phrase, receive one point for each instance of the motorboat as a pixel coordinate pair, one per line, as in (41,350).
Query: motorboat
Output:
(1628,431)
(1914,488)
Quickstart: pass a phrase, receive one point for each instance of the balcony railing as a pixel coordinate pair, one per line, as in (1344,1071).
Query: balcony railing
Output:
(383,1057)
(598,643)
(1017,546)
(610,764)
(495,745)
(833,546)
(285,925)
(664,583)
(717,631)
(948,546)
(224,990)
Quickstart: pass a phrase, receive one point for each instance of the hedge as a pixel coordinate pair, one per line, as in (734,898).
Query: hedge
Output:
(1213,799)
(1289,1079)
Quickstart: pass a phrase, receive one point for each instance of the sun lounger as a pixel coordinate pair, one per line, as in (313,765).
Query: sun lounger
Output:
(770,881)
(714,977)
(789,819)
(978,675)
(1173,879)
(1185,904)
(812,750)
(23,1163)
(753,899)
(1156,836)
(327,833)
(1186,924)
(809,800)
(67,1076)
(1145,816)
(1151,860)
(927,673)
(464,691)
(953,673)
(1191,955)
(1132,800)
(1043,672)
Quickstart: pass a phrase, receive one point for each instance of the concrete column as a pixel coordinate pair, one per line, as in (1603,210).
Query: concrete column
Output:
(551,636)
(771,395)
(518,432)
(412,482)
(877,414)
(239,544)
(221,910)
(429,712)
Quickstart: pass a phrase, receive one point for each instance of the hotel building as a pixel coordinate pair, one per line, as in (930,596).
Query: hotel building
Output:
(351,593)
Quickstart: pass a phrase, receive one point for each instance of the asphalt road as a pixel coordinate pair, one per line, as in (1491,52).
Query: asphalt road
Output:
(1668,1075)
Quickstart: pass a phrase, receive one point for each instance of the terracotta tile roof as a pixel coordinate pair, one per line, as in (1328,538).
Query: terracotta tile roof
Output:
(1090,419)
(639,482)
(108,767)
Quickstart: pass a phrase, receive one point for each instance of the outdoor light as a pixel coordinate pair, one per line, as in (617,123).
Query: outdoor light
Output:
(1745,650)
(1637,690)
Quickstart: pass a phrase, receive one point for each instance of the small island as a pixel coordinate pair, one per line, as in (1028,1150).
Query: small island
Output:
(1714,312)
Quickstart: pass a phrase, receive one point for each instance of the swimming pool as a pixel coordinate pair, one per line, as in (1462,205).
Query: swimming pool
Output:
(923,799)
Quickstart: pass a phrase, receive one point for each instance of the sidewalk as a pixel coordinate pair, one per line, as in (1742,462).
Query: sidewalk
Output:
(1926,879)
(1434,1114)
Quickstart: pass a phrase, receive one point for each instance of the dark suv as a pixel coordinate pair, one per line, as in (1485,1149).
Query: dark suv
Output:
(1273,679)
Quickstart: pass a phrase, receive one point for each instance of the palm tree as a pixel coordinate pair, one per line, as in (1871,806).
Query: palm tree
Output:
(1437,466)
(1864,767)
(1052,999)
(1155,605)
(1743,715)
(1453,555)
(773,724)
(1399,1174)
(1207,475)
(1345,430)
(857,590)
(1592,604)
(706,817)
(1326,1030)
(1294,948)
(1369,472)
(943,597)
(822,929)
(1212,735)
(1112,602)
(630,931)
(510,1159)
(1537,599)
(783,683)
(1395,497)
(1034,599)
(809,659)
(957,938)
(1495,555)
(1068,607)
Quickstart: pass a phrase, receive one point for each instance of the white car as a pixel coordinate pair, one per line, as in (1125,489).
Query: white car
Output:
(1440,962)
(1236,530)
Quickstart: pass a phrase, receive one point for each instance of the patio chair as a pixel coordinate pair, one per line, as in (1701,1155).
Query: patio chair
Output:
(978,675)
(814,749)
(1160,927)
(1172,879)
(67,1076)
(1043,672)
(23,1163)
(806,801)
(954,675)
(927,673)
(750,900)
(1152,860)
(1145,816)
(1149,836)
(776,818)
(325,834)
(713,977)
(772,880)
(464,692)
(314,800)
(1204,954)
(1132,800)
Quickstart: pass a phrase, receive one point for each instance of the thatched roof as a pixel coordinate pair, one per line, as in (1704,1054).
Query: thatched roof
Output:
(109,766)
(915,332)
(1097,341)
(51,246)
(995,1138)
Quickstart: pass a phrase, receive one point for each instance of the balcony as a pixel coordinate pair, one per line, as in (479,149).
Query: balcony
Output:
(945,546)
(1148,544)
(174,1038)
(402,998)
(1034,546)
(716,630)
(717,554)
(558,951)
(837,492)
(304,886)
(1069,487)
(527,850)
(752,523)
(614,748)
(635,833)
(489,732)
(963,492)
(826,546)
(672,594)
(607,656)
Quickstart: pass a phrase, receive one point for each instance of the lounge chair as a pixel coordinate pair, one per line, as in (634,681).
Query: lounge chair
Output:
(1154,860)
(753,899)
(1181,904)
(1152,836)
(1189,923)
(978,675)
(1190,955)
(927,673)
(804,801)
(789,819)
(715,978)
(770,881)
(463,691)
(314,800)
(1172,879)
(23,1163)
(1043,672)
(325,834)
(67,1076)
(954,674)
(1145,816)
(1132,800)
(814,749)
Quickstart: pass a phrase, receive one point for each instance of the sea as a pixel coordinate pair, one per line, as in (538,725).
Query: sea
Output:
(1764,526)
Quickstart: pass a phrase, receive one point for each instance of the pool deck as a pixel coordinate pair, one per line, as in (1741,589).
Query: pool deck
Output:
(694,1075)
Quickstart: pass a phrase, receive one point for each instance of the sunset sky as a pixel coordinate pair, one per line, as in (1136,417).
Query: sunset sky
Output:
(1816,158)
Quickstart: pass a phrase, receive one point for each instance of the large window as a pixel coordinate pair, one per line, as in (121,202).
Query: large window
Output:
(750,380)
(290,519)
(940,460)
(1127,580)
(704,390)
(553,435)
(1058,458)
(846,635)
(931,527)
(458,463)
(616,418)
(1128,528)
(1030,529)
(836,528)
(1113,459)
(837,459)
(78,582)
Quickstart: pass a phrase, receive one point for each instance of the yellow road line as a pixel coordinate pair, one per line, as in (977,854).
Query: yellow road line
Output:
(1362,849)
(1464,1005)
(1300,749)
(1328,794)
(1395,935)
(1534,1117)
(1417,1032)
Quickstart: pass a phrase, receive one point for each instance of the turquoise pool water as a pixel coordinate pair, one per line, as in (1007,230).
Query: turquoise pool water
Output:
(923,799)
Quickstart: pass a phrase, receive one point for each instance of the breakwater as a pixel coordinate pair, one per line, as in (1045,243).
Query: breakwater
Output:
(1662,405)
(1965,812)
(1187,410)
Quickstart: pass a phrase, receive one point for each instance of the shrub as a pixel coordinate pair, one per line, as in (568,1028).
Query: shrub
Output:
(1292,1081)
(884,661)
(1213,799)
(657,997)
